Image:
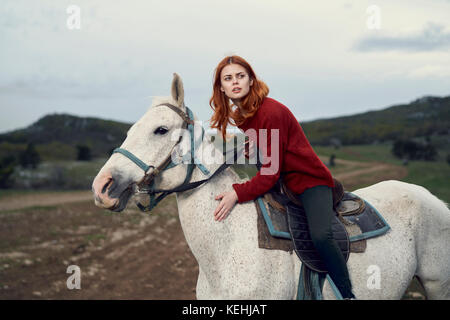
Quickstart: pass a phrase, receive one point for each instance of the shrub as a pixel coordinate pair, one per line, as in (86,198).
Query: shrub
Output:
(7,165)
(84,153)
(410,150)
(30,157)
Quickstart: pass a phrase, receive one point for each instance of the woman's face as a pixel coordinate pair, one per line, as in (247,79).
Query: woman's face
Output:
(235,82)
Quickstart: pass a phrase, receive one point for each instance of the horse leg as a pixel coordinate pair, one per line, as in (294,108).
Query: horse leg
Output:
(433,250)
(383,272)
(437,289)
(434,266)
(202,290)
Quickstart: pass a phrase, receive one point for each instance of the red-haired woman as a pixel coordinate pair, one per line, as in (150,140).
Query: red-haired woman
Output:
(240,99)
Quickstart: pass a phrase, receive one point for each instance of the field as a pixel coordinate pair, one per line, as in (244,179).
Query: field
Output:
(132,255)
(129,255)
(433,175)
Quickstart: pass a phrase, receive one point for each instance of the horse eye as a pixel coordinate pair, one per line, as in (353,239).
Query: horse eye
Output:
(161,130)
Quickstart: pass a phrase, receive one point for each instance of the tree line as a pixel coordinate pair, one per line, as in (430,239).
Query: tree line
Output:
(30,159)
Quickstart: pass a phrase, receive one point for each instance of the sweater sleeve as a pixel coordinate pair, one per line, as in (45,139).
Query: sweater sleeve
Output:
(272,155)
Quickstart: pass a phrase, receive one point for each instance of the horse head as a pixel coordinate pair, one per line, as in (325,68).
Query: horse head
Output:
(153,140)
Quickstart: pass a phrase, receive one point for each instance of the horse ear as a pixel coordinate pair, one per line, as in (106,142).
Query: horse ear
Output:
(177,90)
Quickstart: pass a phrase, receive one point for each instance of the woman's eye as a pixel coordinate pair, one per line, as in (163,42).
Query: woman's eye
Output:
(161,130)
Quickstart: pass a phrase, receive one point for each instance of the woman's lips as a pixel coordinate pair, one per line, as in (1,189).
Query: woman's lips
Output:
(237,90)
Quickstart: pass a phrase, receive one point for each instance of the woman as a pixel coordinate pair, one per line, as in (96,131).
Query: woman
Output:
(308,177)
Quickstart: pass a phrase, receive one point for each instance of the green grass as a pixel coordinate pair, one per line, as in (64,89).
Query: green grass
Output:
(364,153)
(432,175)
(435,176)
(58,175)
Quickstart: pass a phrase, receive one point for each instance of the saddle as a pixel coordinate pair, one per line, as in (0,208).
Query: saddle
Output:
(282,224)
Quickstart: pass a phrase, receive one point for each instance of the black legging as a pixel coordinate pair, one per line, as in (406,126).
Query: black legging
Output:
(318,204)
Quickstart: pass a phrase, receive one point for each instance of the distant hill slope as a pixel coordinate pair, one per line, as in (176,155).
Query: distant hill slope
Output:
(57,135)
(67,130)
(422,117)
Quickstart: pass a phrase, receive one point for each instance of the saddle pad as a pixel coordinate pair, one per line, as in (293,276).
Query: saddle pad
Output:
(269,223)
(369,221)
(274,233)
(303,245)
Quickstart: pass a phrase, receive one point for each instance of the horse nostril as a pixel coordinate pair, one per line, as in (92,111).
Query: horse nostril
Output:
(98,199)
(105,187)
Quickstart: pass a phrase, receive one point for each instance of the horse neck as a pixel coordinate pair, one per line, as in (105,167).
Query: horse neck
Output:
(212,161)
(196,208)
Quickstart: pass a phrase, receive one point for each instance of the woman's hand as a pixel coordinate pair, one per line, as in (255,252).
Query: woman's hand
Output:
(229,198)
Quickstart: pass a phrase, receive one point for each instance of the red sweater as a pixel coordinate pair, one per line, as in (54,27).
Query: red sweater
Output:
(295,154)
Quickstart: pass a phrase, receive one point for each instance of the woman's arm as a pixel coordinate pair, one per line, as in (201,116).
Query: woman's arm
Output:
(229,198)
(272,151)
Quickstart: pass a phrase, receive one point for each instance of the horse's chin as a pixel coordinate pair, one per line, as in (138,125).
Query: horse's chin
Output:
(122,201)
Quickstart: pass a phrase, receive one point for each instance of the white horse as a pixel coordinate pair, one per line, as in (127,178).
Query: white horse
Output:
(232,266)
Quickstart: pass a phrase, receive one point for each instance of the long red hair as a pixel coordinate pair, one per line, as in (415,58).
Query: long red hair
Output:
(221,104)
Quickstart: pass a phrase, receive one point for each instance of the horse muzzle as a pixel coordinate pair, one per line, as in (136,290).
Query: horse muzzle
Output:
(110,192)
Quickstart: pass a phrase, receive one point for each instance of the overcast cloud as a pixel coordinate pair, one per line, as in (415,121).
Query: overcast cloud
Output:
(321,60)
(432,37)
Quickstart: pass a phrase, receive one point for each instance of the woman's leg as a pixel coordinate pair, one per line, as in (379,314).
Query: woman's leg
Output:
(318,204)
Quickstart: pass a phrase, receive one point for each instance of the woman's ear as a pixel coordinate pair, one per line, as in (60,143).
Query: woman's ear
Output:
(251,82)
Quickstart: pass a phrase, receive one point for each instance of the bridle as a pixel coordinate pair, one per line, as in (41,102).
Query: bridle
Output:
(146,185)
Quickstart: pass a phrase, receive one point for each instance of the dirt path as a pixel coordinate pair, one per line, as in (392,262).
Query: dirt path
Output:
(372,168)
(41,199)
(354,174)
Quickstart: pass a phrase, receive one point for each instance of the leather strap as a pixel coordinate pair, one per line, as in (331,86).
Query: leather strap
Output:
(183,115)
(141,164)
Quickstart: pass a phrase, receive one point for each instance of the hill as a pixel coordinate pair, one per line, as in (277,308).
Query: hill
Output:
(57,135)
(426,116)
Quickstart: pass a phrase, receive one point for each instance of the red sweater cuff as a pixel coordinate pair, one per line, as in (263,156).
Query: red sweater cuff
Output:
(240,193)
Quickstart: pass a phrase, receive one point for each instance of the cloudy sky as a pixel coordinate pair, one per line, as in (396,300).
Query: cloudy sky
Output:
(321,59)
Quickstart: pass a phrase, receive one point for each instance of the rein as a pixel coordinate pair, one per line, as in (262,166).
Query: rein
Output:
(147,184)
